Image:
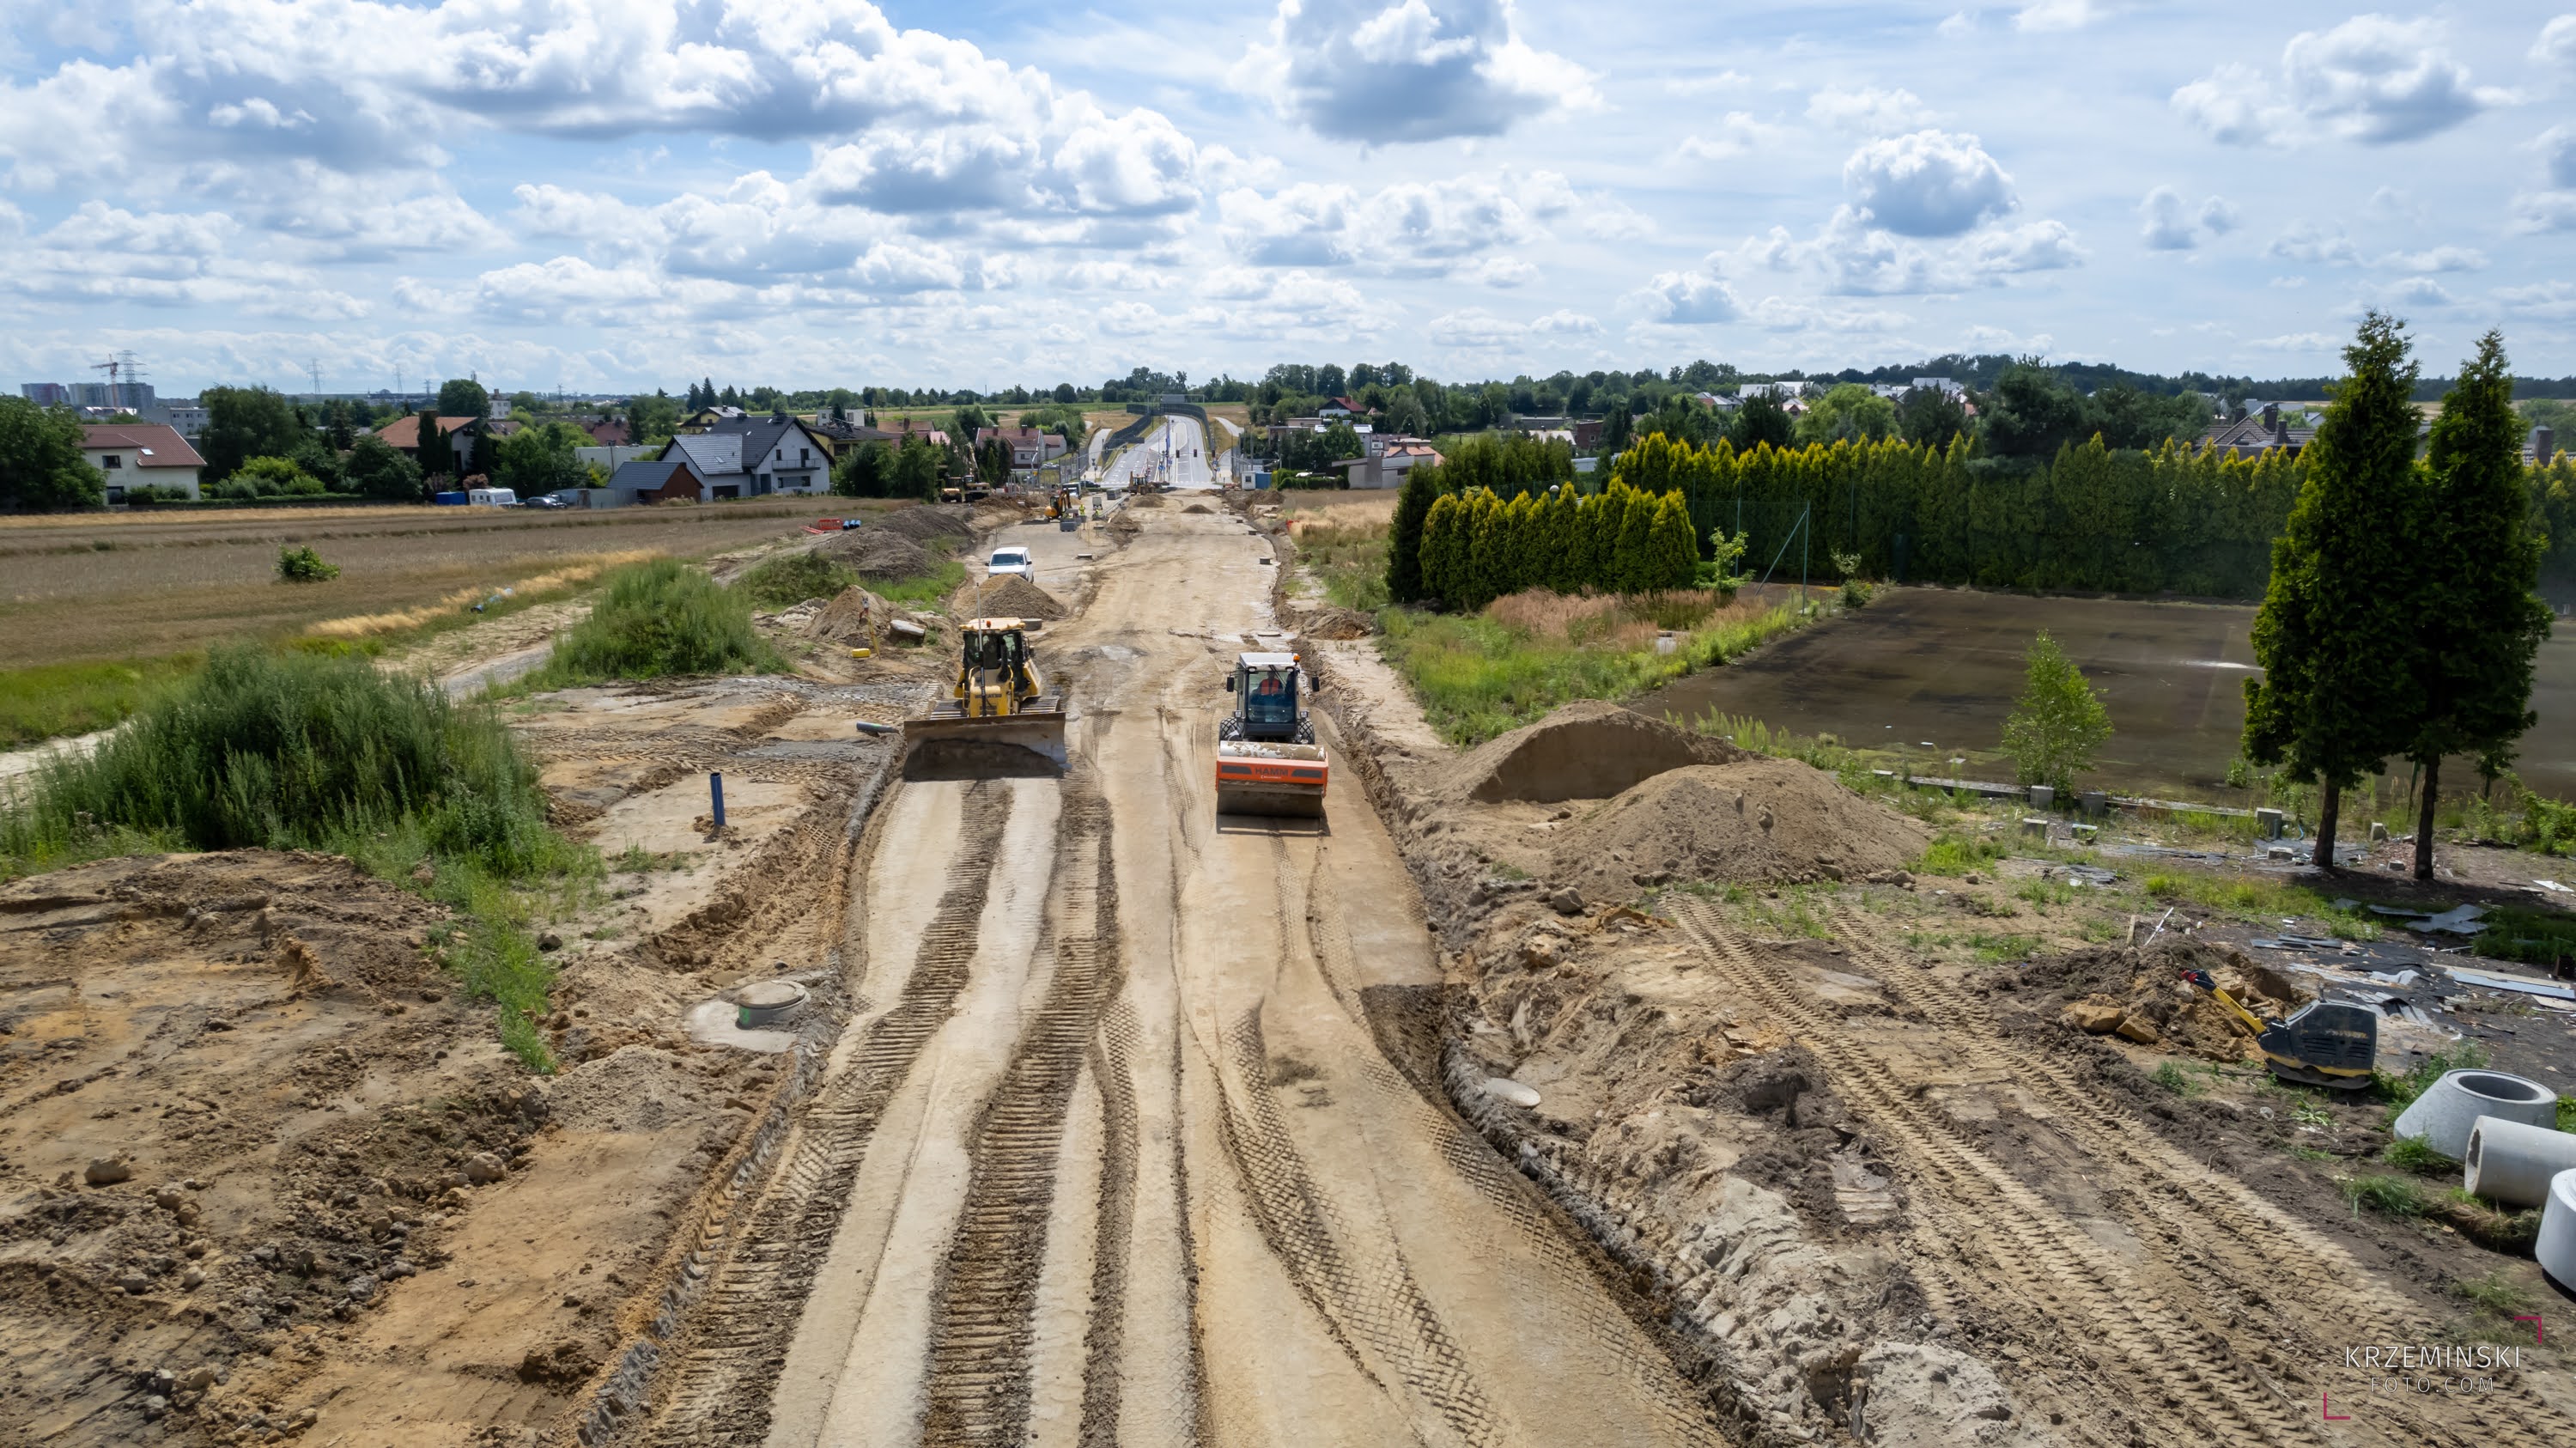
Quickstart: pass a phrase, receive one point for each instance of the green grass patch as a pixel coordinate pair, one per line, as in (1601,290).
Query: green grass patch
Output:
(1477,677)
(1349,561)
(307,751)
(1994,949)
(53,700)
(922,589)
(2400,1091)
(2390,1196)
(2256,897)
(1955,855)
(2407,1153)
(788,581)
(2534,937)
(2170,1077)
(654,620)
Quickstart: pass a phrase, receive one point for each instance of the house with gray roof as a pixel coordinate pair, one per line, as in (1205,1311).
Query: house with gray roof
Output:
(754,457)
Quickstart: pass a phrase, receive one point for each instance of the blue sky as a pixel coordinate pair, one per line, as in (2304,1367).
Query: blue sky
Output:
(598,194)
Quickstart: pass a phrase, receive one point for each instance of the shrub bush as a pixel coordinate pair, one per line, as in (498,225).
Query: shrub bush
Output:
(303,565)
(786,582)
(658,619)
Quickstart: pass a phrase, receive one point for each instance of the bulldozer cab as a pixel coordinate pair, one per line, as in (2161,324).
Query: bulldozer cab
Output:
(993,673)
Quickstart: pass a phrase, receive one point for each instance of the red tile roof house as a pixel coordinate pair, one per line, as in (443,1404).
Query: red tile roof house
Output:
(141,454)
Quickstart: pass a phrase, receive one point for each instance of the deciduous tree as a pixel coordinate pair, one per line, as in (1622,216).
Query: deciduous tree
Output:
(2058,724)
(41,466)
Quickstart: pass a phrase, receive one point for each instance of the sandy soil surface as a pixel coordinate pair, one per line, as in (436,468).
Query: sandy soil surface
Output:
(1134,1134)
(1891,1195)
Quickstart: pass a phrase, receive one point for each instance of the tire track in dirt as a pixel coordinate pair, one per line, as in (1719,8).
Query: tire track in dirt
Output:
(2203,1222)
(1547,1237)
(729,1364)
(1110,1056)
(983,1316)
(2124,1328)
(1374,1309)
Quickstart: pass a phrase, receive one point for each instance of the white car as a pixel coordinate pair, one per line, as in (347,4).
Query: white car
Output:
(1012,560)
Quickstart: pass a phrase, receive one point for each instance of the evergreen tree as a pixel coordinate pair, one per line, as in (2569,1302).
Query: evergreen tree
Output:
(1672,548)
(1404,580)
(2333,633)
(1616,429)
(1439,533)
(1761,419)
(436,455)
(2478,620)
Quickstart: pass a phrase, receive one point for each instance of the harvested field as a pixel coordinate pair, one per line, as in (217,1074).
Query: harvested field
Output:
(141,585)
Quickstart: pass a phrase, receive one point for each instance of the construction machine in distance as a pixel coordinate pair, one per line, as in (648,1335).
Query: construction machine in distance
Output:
(998,698)
(2323,1043)
(1267,760)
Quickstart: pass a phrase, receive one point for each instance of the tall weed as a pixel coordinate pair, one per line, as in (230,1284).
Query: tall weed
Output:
(655,620)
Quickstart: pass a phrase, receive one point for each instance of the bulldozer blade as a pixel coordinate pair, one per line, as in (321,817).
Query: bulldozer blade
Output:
(948,744)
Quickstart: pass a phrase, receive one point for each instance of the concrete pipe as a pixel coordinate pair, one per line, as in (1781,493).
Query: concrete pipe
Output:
(2556,1248)
(2442,1116)
(2511,1162)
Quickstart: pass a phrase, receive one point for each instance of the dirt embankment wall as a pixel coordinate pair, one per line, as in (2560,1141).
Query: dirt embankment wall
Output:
(1675,1123)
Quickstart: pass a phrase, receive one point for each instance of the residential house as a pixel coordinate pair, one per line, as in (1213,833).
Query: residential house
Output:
(752,457)
(842,436)
(141,454)
(1785,391)
(1341,407)
(706,418)
(1031,449)
(2259,432)
(1588,433)
(667,479)
(403,436)
(609,431)
(1387,459)
(1717,401)
(1942,384)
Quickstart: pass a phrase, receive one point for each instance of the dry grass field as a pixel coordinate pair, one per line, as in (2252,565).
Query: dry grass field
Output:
(122,586)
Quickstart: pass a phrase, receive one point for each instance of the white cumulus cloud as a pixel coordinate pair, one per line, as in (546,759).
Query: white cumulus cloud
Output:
(1930,183)
(2171,223)
(1424,70)
(2371,79)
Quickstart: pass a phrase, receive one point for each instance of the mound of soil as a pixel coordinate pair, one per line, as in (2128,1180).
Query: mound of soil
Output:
(1198,508)
(877,553)
(928,523)
(2141,995)
(1328,621)
(1769,820)
(1011,596)
(850,618)
(1587,750)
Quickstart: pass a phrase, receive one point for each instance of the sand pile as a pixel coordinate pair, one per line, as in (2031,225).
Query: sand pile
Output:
(928,522)
(1758,819)
(1011,596)
(877,553)
(1587,750)
(1198,508)
(850,618)
(2141,995)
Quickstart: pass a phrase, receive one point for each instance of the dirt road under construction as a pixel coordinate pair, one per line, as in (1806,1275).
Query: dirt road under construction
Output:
(1135,1133)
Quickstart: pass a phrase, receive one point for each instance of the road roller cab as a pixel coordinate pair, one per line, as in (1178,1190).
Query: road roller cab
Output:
(1267,761)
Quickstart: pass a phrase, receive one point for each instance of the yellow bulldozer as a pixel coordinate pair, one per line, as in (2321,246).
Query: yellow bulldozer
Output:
(998,699)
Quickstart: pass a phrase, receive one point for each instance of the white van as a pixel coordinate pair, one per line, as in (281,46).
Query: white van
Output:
(491,498)
(1011,560)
